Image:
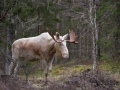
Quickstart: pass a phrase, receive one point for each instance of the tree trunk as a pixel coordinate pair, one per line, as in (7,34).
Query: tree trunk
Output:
(39,29)
(10,36)
(92,11)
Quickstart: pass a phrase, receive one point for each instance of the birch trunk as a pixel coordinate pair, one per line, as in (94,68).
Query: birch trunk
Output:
(10,37)
(92,15)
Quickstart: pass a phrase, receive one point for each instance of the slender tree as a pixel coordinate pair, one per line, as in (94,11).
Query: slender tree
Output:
(92,16)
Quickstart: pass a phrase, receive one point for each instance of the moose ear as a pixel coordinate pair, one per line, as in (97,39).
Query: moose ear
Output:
(57,35)
(65,36)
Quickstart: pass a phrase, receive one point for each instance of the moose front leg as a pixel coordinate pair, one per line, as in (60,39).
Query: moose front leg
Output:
(46,72)
(50,69)
(46,78)
(11,67)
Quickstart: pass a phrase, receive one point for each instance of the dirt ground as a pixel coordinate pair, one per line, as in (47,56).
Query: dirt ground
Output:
(87,80)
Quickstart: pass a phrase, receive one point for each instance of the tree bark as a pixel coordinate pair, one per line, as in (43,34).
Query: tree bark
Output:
(92,11)
(10,37)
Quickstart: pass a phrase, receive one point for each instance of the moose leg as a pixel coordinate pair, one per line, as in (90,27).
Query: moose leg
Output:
(11,67)
(46,71)
(16,68)
(46,75)
(50,69)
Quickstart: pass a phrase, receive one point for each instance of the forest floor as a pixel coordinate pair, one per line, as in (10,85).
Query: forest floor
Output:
(70,76)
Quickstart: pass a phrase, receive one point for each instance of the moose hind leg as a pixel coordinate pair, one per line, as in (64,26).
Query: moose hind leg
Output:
(16,68)
(11,68)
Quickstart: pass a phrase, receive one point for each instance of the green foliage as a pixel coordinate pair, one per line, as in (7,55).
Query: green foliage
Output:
(102,9)
(105,57)
(69,68)
(3,43)
(72,67)
(14,10)
(57,20)
(111,66)
(48,13)
(117,11)
(117,33)
(26,11)
(106,44)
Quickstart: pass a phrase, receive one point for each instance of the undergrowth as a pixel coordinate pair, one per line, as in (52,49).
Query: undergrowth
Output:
(76,68)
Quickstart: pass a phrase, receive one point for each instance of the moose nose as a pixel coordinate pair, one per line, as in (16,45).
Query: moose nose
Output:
(65,55)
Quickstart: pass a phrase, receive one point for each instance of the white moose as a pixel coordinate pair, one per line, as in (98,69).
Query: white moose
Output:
(42,47)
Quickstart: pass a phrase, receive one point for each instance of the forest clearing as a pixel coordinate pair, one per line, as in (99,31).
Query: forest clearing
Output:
(75,45)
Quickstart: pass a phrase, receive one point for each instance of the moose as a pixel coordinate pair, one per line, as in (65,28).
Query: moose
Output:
(42,47)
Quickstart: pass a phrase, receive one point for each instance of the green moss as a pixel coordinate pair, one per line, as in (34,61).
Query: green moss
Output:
(113,67)
(76,69)
(71,68)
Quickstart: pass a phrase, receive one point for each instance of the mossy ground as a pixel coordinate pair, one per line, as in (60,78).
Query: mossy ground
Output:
(75,67)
